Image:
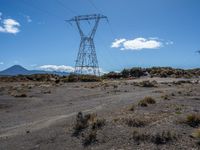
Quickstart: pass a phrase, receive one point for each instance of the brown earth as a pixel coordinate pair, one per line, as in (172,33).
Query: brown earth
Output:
(42,115)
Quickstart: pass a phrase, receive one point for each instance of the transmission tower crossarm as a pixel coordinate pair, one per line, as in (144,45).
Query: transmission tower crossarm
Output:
(87,17)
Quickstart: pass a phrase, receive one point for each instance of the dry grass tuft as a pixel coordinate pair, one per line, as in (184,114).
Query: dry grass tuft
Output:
(148,83)
(132,108)
(92,123)
(165,97)
(98,124)
(140,136)
(82,122)
(163,137)
(19,95)
(90,138)
(147,100)
(192,120)
(196,134)
(136,122)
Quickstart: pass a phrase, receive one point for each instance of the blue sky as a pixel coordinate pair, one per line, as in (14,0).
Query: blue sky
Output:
(152,33)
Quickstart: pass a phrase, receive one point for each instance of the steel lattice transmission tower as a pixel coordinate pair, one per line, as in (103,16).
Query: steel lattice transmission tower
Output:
(86,61)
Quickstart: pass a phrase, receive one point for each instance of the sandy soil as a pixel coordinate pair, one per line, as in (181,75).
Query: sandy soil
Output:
(44,117)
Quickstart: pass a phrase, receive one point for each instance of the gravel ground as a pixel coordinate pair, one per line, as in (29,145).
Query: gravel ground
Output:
(42,115)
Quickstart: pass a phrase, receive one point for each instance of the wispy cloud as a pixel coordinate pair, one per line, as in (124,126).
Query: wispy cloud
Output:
(41,23)
(28,19)
(33,65)
(60,68)
(9,25)
(139,43)
(1,63)
(0,16)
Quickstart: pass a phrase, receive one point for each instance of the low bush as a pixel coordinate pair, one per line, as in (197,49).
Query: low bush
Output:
(83,78)
(98,124)
(193,120)
(165,97)
(87,125)
(18,95)
(90,138)
(148,83)
(147,100)
(140,136)
(82,122)
(163,137)
(135,122)
(142,103)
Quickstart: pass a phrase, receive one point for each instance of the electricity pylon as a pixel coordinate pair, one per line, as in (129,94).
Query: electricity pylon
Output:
(86,62)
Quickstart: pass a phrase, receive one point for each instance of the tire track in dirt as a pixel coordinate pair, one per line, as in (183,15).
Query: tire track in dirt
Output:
(44,123)
(39,124)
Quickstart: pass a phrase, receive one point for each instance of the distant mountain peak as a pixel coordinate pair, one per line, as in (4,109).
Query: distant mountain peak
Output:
(14,70)
(17,67)
(19,70)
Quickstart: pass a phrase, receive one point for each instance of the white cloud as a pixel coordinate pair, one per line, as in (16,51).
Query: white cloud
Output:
(10,26)
(137,44)
(102,71)
(61,68)
(1,63)
(117,43)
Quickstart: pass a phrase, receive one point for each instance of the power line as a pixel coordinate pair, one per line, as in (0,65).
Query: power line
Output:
(97,9)
(48,13)
(109,62)
(66,7)
(94,6)
(110,28)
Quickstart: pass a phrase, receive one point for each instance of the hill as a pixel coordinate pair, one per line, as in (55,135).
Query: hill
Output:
(19,70)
